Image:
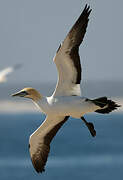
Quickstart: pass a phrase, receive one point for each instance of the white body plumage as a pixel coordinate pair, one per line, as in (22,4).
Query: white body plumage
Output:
(75,106)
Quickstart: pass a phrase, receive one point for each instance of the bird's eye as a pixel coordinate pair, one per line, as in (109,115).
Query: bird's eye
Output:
(24,93)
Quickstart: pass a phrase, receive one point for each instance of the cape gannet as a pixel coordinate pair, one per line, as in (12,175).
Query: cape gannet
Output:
(66,100)
(6,71)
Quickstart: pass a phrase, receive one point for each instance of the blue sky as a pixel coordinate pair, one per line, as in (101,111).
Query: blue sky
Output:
(31,31)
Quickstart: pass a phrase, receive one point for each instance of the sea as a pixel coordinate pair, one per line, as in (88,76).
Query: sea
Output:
(74,155)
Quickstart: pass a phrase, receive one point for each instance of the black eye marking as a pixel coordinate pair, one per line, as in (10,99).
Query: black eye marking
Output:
(24,93)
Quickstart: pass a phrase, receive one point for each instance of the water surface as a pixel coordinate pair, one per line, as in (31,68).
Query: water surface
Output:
(74,153)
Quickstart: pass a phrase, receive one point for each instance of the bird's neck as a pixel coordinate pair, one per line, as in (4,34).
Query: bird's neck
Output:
(36,97)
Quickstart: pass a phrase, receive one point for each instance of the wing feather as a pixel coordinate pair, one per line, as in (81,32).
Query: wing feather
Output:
(67,58)
(40,141)
(6,71)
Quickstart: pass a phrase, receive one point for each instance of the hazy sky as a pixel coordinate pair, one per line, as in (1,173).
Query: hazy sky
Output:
(31,31)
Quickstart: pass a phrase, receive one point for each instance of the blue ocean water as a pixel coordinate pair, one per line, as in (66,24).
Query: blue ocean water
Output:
(74,153)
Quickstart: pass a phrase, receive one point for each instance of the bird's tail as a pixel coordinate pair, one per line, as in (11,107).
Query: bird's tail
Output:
(106,105)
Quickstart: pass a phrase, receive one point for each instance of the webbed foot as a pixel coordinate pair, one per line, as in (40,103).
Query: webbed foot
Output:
(90,127)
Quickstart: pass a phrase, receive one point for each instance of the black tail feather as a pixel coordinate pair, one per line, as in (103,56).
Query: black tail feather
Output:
(102,102)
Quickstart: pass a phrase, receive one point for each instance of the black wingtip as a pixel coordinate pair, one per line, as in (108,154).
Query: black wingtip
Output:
(87,10)
(86,6)
(40,171)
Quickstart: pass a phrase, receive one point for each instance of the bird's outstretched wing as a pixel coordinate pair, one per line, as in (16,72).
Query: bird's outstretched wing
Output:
(6,71)
(39,143)
(67,58)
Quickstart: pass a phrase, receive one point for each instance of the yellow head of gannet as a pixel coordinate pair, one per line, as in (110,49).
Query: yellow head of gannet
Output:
(29,93)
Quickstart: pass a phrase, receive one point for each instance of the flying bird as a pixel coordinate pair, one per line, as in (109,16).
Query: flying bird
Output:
(5,72)
(66,100)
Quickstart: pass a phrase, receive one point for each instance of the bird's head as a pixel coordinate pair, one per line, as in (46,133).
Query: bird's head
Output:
(28,93)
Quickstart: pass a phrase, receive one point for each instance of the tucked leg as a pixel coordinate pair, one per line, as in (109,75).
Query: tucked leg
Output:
(90,127)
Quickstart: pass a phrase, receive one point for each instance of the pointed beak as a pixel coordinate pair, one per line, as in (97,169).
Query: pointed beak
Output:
(16,94)
(20,94)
